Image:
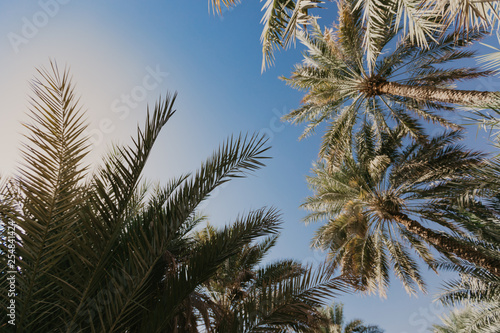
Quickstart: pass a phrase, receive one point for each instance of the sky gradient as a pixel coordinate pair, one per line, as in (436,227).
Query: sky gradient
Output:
(125,54)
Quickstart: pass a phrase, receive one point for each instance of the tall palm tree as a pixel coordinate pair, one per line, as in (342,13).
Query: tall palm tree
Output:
(335,322)
(249,296)
(387,200)
(405,84)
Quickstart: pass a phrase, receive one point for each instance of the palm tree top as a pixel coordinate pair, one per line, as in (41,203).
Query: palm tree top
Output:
(405,85)
(389,199)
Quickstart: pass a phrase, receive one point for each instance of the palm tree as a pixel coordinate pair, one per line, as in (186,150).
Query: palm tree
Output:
(97,251)
(248,296)
(405,84)
(101,252)
(334,315)
(387,200)
(93,251)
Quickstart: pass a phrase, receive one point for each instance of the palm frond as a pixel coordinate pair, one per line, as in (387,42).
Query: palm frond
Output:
(281,20)
(491,60)
(114,185)
(216,5)
(208,257)
(50,180)
(293,301)
(376,18)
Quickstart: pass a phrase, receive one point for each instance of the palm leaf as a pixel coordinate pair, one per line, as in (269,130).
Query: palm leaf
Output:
(50,181)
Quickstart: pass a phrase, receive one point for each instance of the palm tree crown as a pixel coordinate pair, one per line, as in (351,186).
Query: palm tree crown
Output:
(97,251)
(380,201)
(405,84)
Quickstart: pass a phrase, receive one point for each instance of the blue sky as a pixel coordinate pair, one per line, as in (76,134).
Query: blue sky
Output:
(124,54)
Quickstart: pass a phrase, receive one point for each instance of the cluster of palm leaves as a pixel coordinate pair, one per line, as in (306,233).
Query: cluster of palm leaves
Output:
(335,322)
(246,296)
(420,21)
(477,289)
(405,85)
(387,201)
(103,251)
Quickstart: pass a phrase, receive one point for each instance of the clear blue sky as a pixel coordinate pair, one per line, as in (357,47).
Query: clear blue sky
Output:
(113,48)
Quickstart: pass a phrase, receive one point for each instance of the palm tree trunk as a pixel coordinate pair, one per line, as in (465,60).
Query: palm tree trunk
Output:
(429,93)
(449,244)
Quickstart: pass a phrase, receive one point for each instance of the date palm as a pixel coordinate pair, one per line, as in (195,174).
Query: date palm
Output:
(388,200)
(421,20)
(335,322)
(97,252)
(406,83)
